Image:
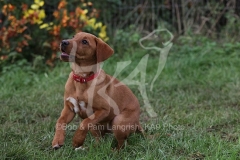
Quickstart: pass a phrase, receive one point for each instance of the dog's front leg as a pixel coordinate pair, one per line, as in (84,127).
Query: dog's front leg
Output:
(66,117)
(86,125)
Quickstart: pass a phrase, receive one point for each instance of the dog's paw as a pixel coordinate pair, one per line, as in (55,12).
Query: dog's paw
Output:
(57,146)
(80,148)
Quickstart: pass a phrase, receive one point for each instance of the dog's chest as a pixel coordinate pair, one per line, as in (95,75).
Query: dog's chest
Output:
(81,95)
(77,105)
(81,99)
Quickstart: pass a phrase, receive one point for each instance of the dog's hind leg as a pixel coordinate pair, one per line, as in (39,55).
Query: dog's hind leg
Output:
(98,131)
(122,127)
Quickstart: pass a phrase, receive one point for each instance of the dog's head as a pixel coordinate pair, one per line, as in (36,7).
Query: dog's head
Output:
(85,47)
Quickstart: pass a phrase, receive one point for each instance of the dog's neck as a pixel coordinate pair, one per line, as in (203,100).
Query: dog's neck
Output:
(85,71)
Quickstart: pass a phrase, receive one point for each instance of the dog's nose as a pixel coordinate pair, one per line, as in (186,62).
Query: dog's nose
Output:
(64,43)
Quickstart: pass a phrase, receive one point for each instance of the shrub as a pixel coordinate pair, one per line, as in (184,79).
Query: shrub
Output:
(28,33)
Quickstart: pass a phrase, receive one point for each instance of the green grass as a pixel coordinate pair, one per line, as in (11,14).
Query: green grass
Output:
(196,98)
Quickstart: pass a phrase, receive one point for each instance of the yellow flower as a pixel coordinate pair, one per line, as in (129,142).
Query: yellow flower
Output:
(83,17)
(41,14)
(98,25)
(38,21)
(34,13)
(35,6)
(91,22)
(39,2)
(28,13)
(103,34)
(106,39)
(45,25)
(85,11)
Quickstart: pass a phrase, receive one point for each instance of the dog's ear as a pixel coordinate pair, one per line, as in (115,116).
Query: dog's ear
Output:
(103,50)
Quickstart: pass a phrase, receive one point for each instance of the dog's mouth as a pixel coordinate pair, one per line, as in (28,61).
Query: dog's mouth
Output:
(67,58)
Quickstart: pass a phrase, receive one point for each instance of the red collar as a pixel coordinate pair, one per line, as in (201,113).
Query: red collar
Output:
(84,79)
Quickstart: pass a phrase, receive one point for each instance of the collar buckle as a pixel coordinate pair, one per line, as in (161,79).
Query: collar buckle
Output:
(83,80)
(80,79)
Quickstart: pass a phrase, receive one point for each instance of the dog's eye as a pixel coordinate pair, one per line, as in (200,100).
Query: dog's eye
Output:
(84,41)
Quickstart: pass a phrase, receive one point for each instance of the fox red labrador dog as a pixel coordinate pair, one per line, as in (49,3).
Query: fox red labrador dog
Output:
(105,104)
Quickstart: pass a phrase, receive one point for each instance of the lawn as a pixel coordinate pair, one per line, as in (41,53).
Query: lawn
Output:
(196,98)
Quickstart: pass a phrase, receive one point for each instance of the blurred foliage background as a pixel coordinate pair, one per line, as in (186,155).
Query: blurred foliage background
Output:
(30,31)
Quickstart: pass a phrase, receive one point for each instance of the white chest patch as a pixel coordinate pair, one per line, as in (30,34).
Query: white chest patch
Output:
(75,104)
(82,105)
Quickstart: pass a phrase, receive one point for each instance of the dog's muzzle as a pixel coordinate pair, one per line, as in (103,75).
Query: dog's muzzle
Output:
(63,45)
(64,56)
